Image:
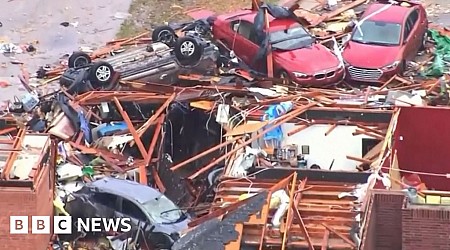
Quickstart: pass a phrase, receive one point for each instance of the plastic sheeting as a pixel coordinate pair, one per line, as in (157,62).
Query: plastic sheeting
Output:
(442,54)
(277,12)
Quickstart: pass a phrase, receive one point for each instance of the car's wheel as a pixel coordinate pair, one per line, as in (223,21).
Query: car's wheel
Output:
(101,75)
(188,51)
(79,59)
(284,76)
(164,34)
(423,45)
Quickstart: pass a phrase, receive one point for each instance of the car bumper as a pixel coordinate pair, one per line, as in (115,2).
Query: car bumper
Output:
(329,78)
(371,76)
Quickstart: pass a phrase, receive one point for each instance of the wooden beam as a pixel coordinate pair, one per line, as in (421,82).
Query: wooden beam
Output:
(279,185)
(394,172)
(343,237)
(220,211)
(344,8)
(269,48)
(369,129)
(303,227)
(297,129)
(151,148)
(363,132)
(289,212)
(330,129)
(353,158)
(326,236)
(191,159)
(275,123)
(142,170)
(155,116)
(7,130)
(12,157)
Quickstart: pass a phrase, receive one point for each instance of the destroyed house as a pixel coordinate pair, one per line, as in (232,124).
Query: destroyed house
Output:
(26,185)
(322,207)
(343,204)
(416,156)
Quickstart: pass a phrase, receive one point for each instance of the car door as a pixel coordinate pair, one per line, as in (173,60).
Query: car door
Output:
(412,39)
(104,205)
(127,209)
(244,42)
(154,238)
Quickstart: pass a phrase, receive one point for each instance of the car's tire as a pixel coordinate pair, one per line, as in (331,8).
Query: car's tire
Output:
(424,41)
(188,51)
(164,34)
(283,74)
(101,75)
(79,59)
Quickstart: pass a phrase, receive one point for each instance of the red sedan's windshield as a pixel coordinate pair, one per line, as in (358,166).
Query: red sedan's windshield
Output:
(378,33)
(294,37)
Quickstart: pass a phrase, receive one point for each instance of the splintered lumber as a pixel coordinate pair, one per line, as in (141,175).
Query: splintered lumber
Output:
(275,123)
(343,237)
(344,8)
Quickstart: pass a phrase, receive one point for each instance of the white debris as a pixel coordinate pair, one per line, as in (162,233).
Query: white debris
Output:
(122,15)
(10,48)
(68,171)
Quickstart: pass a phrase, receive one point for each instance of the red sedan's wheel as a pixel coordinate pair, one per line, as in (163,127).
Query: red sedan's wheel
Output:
(423,46)
(285,76)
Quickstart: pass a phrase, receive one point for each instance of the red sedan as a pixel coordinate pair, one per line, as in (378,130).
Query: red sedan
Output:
(387,37)
(296,55)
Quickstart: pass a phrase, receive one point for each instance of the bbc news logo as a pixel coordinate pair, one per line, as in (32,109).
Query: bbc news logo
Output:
(64,224)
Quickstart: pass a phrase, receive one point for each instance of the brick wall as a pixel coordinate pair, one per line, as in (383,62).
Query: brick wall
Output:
(383,230)
(25,201)
(388,220)
(391,226)
(426,227)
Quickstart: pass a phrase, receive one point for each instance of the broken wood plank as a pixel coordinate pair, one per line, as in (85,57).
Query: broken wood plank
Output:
(297,129)
(279,185)
(155,116)
(142,170)
(191,159)
(394,172)
(343,237)
(333,126)
(303,227)
(344,8)
(326,236)
(151,149)
(363,132)
(289,212)
(353,158)
(275,123)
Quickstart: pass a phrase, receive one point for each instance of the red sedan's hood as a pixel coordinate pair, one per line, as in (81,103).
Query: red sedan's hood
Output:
(308,60)
(369,56)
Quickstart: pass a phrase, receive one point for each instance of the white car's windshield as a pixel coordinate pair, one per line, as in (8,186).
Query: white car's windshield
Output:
(378,33)
(163,210)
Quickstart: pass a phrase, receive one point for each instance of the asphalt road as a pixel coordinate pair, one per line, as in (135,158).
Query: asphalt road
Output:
(27,21)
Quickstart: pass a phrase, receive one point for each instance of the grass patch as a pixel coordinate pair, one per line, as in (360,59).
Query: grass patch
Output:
(147,14)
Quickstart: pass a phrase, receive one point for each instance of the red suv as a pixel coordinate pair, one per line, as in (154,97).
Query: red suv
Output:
(386,38)
(296,55)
